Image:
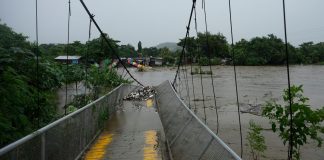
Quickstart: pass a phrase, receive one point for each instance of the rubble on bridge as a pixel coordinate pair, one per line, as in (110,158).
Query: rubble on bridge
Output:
(141,94)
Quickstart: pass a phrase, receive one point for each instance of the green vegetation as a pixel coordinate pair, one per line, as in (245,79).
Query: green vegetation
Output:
(101,80)
(127,51)
(19,87)
(21,91)
(256,140)
(103,116)
(71,109)
(139,47)
(266,50)
(306,122)
(151,51)
(204,61)
(200,71)
(96,50)
(167,55)
(197,46)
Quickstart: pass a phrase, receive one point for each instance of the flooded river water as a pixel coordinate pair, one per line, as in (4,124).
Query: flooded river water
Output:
(256,85)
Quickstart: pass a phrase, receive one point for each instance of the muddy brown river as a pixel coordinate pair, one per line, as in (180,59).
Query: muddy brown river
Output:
(256,85)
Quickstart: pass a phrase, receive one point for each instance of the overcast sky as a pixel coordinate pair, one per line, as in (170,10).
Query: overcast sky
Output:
(157,21)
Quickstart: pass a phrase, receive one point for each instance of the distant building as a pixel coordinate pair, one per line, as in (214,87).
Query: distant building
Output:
(69,59)
(141,60)
(156,61)
(152,61)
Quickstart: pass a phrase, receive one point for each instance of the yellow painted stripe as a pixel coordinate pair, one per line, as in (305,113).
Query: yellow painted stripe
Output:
(149,103)
(98,150)
(150,152)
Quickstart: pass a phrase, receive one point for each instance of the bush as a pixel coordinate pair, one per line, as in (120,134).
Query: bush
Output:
(103,78)
(168,60)
(204,61)
(216,61)
(256,140)
(306,123)
(200,71)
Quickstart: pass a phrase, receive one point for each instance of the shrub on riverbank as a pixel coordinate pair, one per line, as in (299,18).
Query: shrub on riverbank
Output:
(306,123)
(200,71)
(204,61)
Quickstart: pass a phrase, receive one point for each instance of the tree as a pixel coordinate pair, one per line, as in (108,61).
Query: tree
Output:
(20,90)
(152,51)
(139,47)
(103,78)
(191,45)
(74,74)
(266,50)
(256,140)
(127,51)
(218,45)
(241,52)
(167,56)
(306,123)
(9,38)
(309,52)
(99,49)
(50,51)
(76,48)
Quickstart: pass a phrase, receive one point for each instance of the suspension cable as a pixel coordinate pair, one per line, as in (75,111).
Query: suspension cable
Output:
(201,78)
(108,43)
(202,90)
(196,26)
(86,64)
(67,58)
(179,85)
(192,83)
(191,57)
(186,78)
(235,78)
(37,67)
(291,136)
(185,41)
(185,75)
(210,68)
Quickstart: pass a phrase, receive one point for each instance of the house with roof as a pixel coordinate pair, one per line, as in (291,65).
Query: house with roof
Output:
(69,59)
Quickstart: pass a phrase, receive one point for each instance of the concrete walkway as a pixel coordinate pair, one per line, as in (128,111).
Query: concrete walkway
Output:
(133,133)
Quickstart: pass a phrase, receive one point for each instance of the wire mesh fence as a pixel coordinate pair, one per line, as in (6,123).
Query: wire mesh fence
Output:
(187,136)
(68,137)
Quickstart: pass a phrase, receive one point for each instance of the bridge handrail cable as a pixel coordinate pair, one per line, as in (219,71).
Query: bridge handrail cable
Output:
(107,42)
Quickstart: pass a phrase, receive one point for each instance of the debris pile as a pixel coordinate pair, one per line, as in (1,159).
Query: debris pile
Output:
(255,109)
(141,94)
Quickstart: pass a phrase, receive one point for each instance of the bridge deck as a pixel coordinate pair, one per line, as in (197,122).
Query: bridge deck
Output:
(134,132)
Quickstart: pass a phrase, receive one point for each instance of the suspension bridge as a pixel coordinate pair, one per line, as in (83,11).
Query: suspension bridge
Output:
(161,127)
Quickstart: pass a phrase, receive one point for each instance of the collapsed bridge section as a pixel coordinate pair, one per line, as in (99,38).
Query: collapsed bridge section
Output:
(187,136)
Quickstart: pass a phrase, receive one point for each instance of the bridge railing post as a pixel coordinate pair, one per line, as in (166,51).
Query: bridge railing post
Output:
(43,147)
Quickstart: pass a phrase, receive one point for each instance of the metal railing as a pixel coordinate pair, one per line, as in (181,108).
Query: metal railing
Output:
(68,137)
(188,137)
